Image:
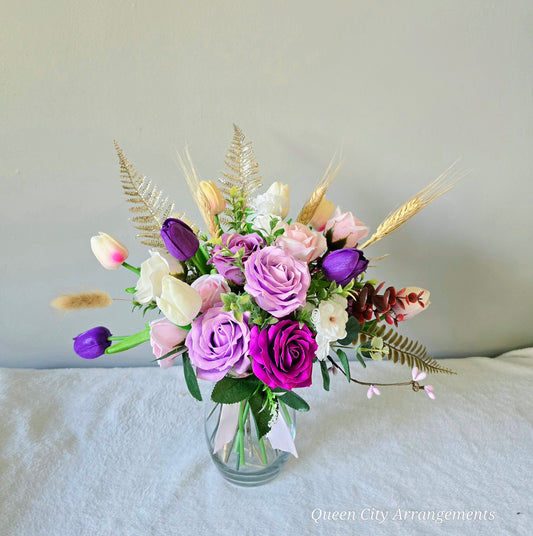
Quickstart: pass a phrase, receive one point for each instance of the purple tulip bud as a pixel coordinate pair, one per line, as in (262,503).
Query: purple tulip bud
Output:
(344,265)
(92,343)
(179,239)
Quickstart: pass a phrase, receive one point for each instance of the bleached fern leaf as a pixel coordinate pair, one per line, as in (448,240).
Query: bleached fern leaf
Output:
(404,350)
(148,205)
(243,174)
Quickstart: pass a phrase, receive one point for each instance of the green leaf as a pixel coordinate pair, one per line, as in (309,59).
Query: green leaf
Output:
(344,362)
(261,412)
(360,359)
(325,374)
(230,390)
(190,378)
(131,290)
(292,399)
(131,341)
(352,330)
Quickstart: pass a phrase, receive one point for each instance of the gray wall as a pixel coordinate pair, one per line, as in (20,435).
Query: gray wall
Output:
(403,88)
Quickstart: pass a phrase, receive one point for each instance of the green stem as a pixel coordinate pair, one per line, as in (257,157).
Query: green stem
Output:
(200,261)
(132,268)
(263,451)
(116,338)
(130,342)
(285,413)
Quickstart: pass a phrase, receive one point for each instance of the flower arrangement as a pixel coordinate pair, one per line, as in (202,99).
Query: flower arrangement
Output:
(259,300)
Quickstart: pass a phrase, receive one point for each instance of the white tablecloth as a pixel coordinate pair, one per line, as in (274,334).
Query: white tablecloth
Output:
(122,452)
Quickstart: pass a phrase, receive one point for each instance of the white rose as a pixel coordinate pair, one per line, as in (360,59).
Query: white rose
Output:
(179,302)
(152,272)
(330,320)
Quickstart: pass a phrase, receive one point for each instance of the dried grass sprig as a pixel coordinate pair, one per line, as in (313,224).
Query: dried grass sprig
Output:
(313,201)
(442,184)
(82,300)
(149,207)
(198,194)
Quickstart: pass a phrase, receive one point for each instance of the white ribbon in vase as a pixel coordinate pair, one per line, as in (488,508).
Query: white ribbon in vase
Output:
(280,436)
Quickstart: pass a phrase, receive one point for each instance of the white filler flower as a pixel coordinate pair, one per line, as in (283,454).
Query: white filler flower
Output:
(330,320)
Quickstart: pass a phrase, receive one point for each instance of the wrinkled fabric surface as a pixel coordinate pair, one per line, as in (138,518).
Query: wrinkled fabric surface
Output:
(104,452)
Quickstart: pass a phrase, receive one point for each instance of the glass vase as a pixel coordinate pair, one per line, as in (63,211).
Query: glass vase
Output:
(246,460)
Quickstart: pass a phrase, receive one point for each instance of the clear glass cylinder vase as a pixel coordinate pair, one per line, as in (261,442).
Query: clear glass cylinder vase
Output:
(246,460)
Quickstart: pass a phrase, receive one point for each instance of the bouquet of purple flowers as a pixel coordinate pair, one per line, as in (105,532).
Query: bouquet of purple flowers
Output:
(258,300)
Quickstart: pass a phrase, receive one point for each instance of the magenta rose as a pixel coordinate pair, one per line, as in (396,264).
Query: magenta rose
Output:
(225,264)
(282,354)
(218,343)
(276,280)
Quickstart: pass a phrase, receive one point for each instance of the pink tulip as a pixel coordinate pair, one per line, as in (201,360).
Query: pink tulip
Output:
(410,301)
(164,336)
(210,287)
(110,252)
(345,229)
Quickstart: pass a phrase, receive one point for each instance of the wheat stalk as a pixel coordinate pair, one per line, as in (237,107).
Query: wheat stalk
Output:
(313,201)
(198,195)
(442,184)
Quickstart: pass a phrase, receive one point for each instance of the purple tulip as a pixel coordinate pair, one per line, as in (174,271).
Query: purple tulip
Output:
(93,343)
(344,265)
(282,354)
(179,239)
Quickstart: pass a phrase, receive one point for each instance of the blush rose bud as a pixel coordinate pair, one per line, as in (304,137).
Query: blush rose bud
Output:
(93,343)
(109,251)
(216,201)
(179,239)
(322,214)
(344,265)
(410,301)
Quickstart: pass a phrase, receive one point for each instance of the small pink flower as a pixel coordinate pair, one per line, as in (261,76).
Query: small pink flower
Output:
(372,390)
(345,229)
(410,301)
(429,391)
(210,287)
(302,243)
(418,376)
(164,336)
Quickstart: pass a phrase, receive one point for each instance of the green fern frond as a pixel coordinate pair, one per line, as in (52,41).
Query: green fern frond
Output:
(243,175)
(404,350)
(151,209)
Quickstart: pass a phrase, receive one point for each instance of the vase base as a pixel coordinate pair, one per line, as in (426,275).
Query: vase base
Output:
(251,477)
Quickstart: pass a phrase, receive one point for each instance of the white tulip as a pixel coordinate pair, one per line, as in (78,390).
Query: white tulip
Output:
(152,272)
(179,302)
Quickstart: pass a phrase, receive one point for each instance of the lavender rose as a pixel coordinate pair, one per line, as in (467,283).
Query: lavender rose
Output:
(225,264)
(217,342)
(276,280)
(344,265)
(282,354)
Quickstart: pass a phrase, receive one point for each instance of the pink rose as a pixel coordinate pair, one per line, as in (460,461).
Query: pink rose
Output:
(210,287)
(301,242)
(410,301)
(164,336)
(344,230)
